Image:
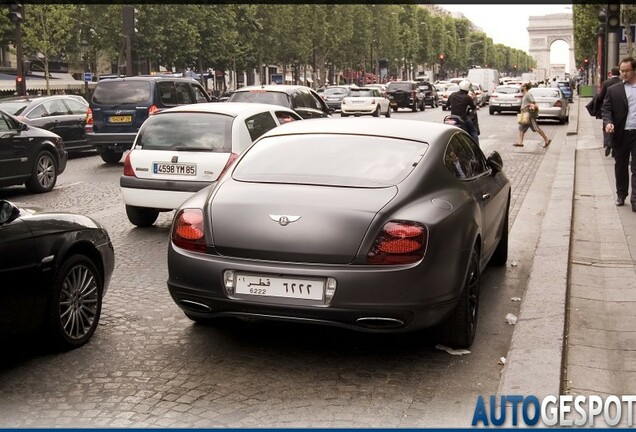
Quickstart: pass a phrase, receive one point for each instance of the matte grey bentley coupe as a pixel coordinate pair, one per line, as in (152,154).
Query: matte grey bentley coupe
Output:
(371,224)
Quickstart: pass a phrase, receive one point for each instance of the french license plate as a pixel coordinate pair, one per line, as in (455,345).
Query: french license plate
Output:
(120,119)
(393,103)
(307,289)
(505,104)
(174,168)
(357,102)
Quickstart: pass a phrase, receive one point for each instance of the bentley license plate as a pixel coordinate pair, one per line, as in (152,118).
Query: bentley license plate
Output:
(174,168)
(307,289)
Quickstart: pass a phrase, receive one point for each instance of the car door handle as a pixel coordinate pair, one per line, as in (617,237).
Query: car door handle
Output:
(485,196)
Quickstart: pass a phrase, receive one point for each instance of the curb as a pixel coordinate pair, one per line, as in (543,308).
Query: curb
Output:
(535,358)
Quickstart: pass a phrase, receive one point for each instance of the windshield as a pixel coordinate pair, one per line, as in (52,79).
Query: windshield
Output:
(360,93)
(115,92)
(404,86)
(362,161)
(336,91)
(508,90)
(546,92)
(187,131)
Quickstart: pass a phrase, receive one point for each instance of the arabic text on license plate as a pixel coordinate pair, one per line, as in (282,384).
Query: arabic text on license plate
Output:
(308,289)
(174,168)
(120,119)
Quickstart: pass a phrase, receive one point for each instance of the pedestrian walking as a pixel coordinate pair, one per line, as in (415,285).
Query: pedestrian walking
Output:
(619,120)
(554,83)
(528,105)
(598,104)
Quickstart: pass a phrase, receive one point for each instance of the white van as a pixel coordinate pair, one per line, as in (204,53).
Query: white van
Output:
(488,78)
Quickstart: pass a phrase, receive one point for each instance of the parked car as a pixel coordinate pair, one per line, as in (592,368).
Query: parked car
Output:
(29,155)
(184,149)
(431,98)
(119,106)
(390,234)
(63,115)
(365,101)
(55,269)
(405,94)
(333,95)
(505,98)
(305,101)
(553,104)
(452,88)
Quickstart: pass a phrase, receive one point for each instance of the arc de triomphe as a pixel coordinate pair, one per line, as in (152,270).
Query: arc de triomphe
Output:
(545,30)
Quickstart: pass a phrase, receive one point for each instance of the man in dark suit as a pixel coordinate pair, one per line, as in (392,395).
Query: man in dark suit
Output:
(613,79)
(619,119)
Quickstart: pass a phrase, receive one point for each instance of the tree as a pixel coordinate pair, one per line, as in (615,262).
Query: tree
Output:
(46,32)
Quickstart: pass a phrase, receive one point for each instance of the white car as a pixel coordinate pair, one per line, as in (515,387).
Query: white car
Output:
(181,150)
(365,101)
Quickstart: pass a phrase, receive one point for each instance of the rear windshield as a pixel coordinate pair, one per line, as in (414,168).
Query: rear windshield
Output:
(14,108)
(360,93)
(546,92)
(363,161)
(400,86)
(261,96)
(121,92)
(187,131)
(335,91)
(508,90)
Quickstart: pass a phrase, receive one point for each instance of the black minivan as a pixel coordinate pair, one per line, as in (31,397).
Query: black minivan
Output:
(119,106)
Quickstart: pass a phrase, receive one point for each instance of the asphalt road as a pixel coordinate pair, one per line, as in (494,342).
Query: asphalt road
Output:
(149,366)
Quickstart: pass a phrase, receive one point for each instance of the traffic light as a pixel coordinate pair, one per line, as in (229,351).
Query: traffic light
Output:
(16,12)
(129,15)
(586,63)
(20,85)
(613,17)
(441,58)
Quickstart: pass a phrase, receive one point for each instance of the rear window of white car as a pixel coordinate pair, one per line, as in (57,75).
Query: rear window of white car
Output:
(261,96)
(361,93)
(187,131)
(508,90)
(546,92)
(362,161)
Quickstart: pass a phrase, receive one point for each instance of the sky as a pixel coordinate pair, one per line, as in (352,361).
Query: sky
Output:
(506,24)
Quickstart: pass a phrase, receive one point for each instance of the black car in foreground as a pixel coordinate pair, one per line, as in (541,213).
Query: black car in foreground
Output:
(54,271)
(64,115)
(29,155)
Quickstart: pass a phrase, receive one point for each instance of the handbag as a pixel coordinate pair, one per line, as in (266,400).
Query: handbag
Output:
(591,107)
(523,118)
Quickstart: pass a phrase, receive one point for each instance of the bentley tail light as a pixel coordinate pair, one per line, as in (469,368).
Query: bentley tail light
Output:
(153,110)
(230,162)
(399,242)
(128,169)
(187,230)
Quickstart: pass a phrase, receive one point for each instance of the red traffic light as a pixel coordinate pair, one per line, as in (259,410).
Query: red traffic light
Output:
(586,61)
(18,79)
(441,56)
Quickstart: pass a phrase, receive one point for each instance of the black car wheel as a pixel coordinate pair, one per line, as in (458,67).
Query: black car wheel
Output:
(376,113)
(111,156)
(44,173)
(76,302)
(141,216)
(395,109)
(491,111)
(460,328)
(388,112)
(500,256)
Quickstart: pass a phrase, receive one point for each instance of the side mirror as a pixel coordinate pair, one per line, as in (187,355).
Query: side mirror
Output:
(495,162)
(8,212)
(23,127)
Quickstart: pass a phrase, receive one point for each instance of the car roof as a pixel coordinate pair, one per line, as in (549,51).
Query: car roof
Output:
(414,130)
(148,78)
(36,98)
(228,108)
(281,88)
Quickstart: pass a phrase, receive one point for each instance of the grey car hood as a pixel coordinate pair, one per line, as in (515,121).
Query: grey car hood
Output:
(294,223)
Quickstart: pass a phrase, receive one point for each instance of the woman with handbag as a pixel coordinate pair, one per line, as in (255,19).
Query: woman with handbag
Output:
(527,118)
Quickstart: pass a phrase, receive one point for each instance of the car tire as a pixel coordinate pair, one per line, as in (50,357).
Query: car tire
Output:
(500,256)
(491,111)
(44,173)
(388,112)
(443,108)
(111,156)
(414,107)
(459,330)
(376,113)
(75,304)
(395,109)
(344,115)
(141,216)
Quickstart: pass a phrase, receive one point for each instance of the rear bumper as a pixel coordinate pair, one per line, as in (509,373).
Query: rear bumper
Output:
(111,141)
(159,194)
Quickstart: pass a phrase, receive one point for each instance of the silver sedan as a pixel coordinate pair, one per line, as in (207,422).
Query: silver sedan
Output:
(552,104)
(380,226)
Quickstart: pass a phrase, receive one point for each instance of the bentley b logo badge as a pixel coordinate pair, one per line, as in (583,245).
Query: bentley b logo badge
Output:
(284,220)
(175,159)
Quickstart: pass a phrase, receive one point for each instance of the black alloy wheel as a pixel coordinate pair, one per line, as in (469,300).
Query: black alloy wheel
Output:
(44,173)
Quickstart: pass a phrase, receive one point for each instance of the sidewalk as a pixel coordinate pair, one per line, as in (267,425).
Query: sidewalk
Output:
(576,332)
